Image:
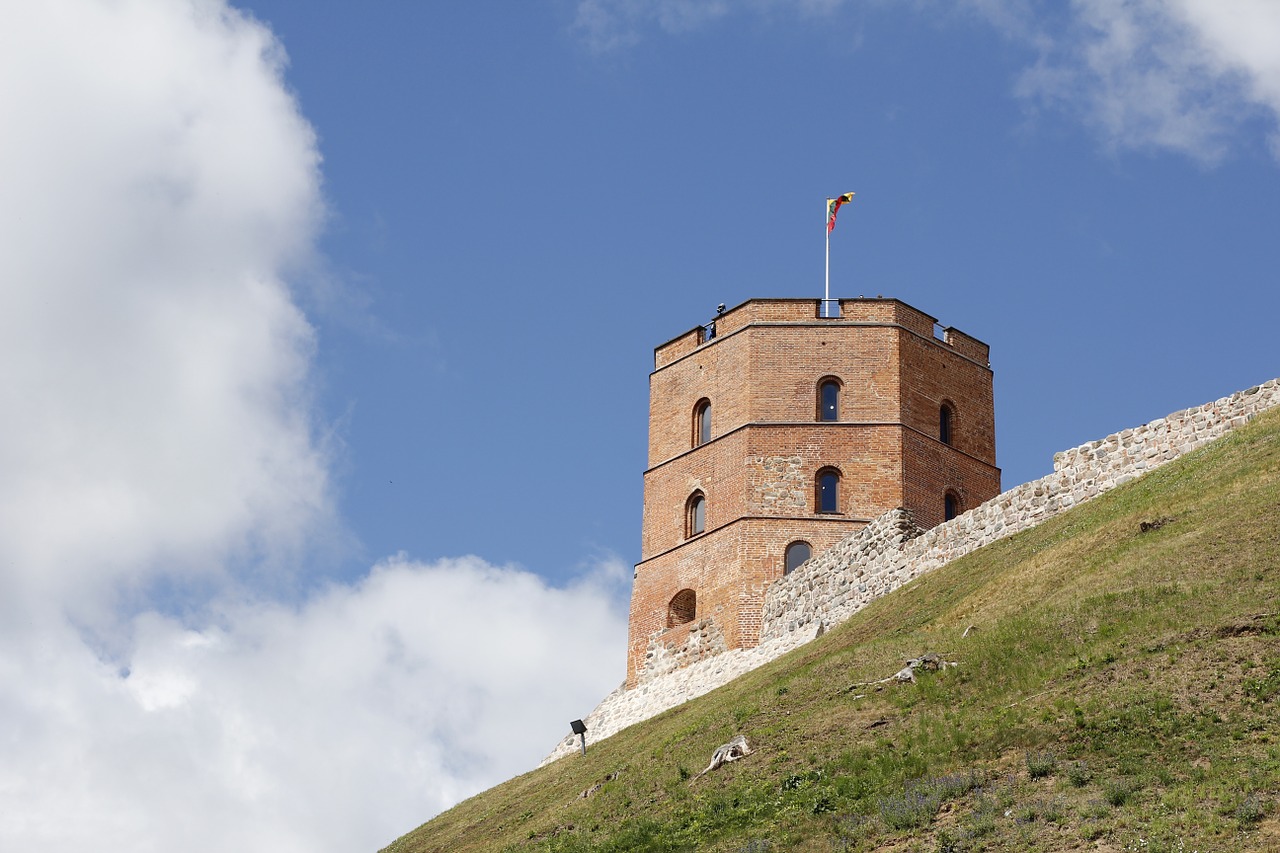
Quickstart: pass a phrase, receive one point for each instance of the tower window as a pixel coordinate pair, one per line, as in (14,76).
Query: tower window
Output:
(945,423)
(829,400)
(683,608)
(950,506)
(828,490)
(701,422)
(695,514)
(797,553)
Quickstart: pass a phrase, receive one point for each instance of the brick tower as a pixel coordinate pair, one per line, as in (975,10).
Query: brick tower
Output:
(775,433)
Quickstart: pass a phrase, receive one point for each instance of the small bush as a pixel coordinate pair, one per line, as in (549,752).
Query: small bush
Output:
(1120,790)
(1250,811)
(957,841)
(910,810)
(921,799)
(823,804)
(796,781)
(1053,810)
(1265,688)
(1078,774)
(952,785)
(1040,764)
(760,845)
(1096,809)
(1091,829)
(983,819)
(949,843)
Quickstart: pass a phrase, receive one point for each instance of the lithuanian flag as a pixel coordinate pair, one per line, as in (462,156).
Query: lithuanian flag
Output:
(833,205)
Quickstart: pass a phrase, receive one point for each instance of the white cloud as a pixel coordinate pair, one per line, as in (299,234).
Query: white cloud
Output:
(330,726)
(158,181)
(1176,74)
(160,186)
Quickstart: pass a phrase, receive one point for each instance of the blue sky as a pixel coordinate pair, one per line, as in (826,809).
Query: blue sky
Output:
(326,329)
(521,218)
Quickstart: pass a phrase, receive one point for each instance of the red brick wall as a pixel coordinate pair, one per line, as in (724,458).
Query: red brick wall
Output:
(761,373)
(932,469)
(729,568)
(718,371)
(932,373)
(771,470)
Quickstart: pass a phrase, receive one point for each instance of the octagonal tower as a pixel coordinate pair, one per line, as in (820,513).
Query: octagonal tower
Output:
(776,432)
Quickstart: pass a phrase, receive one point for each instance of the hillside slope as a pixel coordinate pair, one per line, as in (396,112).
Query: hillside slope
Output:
(1120,690)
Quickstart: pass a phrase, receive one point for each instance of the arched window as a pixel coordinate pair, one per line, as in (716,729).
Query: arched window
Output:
(797,553)
(946,419)
(683,608)
(951,506)
(829,399)
(701,422)
(695,515)
(828,490)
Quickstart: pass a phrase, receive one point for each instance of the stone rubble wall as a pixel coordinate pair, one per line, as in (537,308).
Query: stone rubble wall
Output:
(705,640)
(892,551)
(841,580)
(883,556)
(781,482)
(623,707)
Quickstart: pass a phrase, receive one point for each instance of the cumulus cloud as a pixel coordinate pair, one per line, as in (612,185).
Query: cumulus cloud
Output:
(161,189)
(333,725)
(158,182)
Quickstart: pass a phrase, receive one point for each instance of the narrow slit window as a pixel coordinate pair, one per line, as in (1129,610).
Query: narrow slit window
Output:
(945,425)
(828,490)
(701,423)
(696,515)
(950,506)
(829,400)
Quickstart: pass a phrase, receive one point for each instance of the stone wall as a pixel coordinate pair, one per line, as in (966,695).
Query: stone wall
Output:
(701,639)
(779,483)
(623,707)
(891,551)
(885,555)
(842,579)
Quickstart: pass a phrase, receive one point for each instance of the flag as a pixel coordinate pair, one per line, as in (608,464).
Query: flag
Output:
(833,204)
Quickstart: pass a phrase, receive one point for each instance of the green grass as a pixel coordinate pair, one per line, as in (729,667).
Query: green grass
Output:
(1122,691)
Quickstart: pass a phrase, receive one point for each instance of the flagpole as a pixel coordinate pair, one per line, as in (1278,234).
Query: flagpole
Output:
(833,205)
(826,290)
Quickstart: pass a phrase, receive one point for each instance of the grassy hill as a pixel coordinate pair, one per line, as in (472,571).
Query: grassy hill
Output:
(1120,690)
